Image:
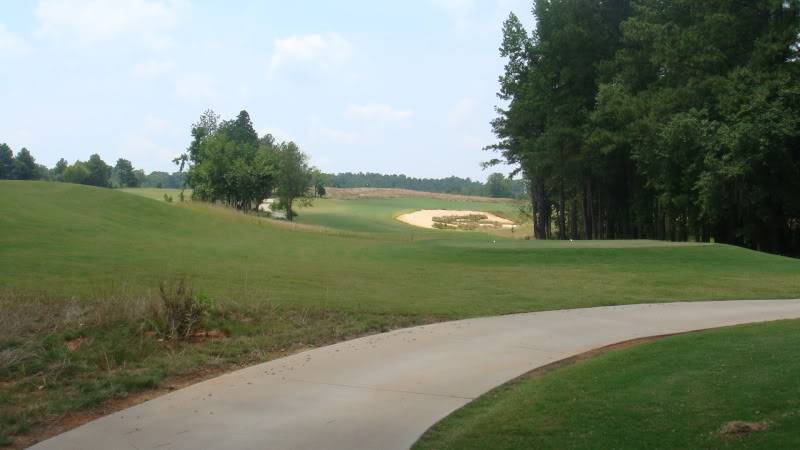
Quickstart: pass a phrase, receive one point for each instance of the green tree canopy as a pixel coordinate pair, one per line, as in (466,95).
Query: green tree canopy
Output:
(652,119)
(6,162)
(77,173)
(293,176)
(24,166)
(498,186)
(58,171)
(228,162)
(125,174)
(99,172)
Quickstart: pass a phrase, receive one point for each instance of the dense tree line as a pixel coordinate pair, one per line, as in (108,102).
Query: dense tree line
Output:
(675,120)
(229,163)
(497,185)
(93,172)
(23,166)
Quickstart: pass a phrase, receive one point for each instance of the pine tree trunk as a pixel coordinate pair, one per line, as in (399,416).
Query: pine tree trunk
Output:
(562,201)
(588,213)
(532,197)
(573,219)
(541,217)
(562,213)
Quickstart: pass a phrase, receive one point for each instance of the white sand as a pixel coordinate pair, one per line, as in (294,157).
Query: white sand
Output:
(424,217)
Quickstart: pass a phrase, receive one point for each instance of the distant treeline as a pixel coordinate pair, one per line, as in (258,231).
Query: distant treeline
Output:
(497,185)
(92,172)
(96,172)
(160,179)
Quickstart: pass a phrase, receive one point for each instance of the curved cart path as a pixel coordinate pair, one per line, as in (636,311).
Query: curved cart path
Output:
(384,391)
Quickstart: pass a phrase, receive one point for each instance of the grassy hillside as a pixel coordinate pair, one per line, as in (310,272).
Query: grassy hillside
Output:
(673,393)
(158,193)
(81,268)
(65,241)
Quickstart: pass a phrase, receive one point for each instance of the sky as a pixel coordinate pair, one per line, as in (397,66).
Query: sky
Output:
(391,87)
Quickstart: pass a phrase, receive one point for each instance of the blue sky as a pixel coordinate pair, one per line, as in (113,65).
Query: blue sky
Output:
(393,87)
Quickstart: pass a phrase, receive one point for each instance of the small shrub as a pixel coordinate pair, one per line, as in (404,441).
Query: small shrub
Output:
(179,312)
(167,198)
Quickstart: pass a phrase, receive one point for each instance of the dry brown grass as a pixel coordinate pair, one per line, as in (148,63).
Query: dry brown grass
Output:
(25,317)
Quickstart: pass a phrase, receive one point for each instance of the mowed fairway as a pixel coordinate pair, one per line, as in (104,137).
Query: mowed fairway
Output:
(66,241)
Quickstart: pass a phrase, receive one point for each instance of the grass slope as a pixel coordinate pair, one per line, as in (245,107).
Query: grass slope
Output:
(65,241)
(672,393)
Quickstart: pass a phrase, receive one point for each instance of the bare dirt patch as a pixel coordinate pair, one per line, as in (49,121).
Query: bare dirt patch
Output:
(74,344)
(739,428)
(426,218)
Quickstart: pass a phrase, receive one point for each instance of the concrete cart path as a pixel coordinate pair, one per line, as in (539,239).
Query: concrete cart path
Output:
(383,391)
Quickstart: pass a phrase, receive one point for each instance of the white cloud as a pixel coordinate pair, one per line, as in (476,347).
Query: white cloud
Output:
(101,20)
(377,112)
(196,86)
(461,112)
(311,50)
(338,136)
(12,44)
(153,68)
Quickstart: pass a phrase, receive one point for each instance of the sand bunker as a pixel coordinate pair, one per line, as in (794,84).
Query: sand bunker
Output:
(425,218)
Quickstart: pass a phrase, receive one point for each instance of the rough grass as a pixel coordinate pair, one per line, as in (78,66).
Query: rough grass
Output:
(82,262)
(58,357)
(678,392)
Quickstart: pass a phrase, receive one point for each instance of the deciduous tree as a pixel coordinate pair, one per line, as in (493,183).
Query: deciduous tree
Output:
(57,174)
(99,172)
(77,173)
(293,176)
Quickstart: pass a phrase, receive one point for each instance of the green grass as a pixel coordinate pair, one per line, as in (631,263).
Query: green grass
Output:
(83,261)
(376,215)
(69,241)
(158,193)
(672,393)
